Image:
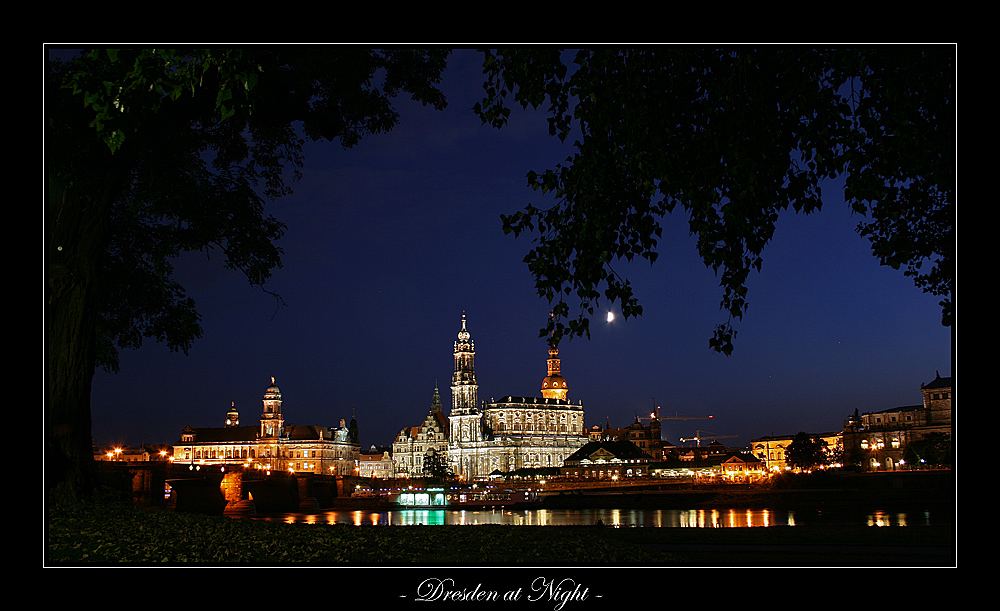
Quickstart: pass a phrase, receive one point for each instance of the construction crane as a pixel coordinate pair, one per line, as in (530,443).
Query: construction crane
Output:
(698,437)
(655,415)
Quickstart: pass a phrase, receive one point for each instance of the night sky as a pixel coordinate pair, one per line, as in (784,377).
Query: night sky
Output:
(390,242)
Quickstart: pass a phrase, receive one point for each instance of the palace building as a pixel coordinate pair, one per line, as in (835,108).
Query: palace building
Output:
(514,432)
(886,439)
(272,445)
(414,443)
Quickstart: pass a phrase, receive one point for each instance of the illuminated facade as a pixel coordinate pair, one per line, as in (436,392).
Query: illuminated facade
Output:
(514,432)
(772,450)
(413,443)
(144,453)
(376,464)
(647,438)
(612,459)
(880,440)
(272,445)
(742,468)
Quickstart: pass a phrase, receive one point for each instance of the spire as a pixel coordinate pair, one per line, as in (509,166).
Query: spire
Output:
(436,400)
(463,335)
(464,388)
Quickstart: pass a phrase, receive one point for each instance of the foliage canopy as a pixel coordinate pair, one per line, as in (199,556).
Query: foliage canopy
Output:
(205,137)
(733,137)
(436,465)
(155,152)
(804,452)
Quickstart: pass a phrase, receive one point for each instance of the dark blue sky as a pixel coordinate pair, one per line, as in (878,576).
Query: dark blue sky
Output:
(388,243)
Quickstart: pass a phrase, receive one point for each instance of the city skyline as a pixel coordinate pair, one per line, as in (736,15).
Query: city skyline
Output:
(389,243)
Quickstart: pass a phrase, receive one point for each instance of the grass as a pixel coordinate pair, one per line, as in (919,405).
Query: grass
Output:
(108,533)
(116,534)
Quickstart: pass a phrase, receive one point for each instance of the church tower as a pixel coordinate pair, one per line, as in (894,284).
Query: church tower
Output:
(464,417)
(554,385)
(271,421)
(464,390)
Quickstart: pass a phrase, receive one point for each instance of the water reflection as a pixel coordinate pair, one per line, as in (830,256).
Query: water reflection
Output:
(618,518)
(883,518)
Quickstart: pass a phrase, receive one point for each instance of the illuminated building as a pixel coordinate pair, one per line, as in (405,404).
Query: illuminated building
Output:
(646,437)
(742,468)
(272,445)
(612,459)
(771,450)
(413,443)
(514,432)
(880,440)
(377,463)
(118,453)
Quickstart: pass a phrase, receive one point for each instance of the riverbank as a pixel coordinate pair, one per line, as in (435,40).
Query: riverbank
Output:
(112,534)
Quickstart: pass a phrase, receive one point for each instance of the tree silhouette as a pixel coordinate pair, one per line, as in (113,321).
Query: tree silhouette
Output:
(734,137)
(155,152)
(804,452)
(436,465)
(930,450)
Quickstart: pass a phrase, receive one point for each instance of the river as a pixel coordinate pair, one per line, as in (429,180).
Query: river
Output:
(661,518)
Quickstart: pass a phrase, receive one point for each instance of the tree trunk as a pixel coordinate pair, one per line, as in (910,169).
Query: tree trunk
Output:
(77,229)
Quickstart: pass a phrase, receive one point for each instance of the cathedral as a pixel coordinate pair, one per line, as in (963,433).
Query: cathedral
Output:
(501,436)
(272,445)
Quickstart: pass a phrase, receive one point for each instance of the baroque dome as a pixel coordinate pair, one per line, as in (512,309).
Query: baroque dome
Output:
(554,384)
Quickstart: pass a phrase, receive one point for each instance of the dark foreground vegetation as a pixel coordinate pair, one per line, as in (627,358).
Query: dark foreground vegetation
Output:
(115,533)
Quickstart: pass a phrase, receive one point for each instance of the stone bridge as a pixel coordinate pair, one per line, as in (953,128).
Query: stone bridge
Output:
(222,489)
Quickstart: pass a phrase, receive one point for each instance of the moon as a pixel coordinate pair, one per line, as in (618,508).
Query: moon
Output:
(611,316)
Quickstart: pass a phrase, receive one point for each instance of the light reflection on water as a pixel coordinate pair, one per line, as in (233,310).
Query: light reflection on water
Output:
(662,518)
(883,518)
(665,518)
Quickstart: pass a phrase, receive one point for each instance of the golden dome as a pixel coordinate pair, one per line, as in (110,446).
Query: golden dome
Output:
(554,385)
